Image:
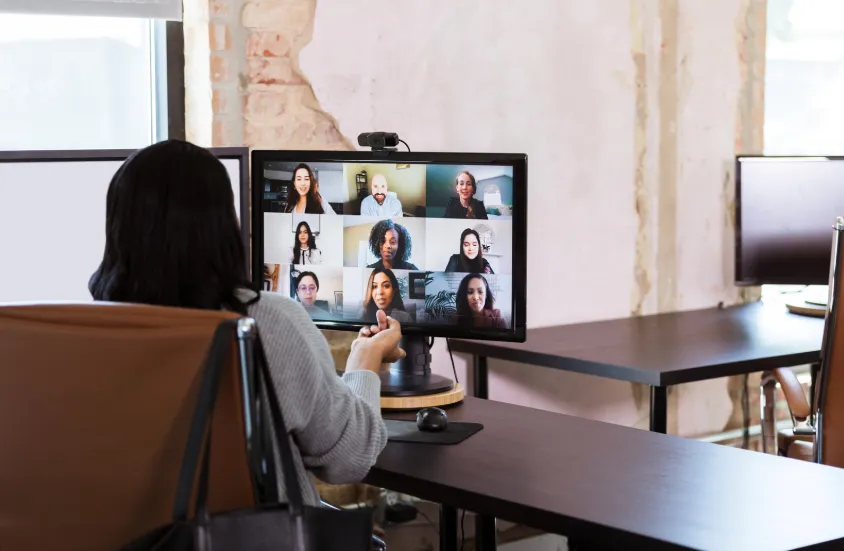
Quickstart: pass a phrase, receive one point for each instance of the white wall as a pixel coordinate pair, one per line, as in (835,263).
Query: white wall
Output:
(630,114)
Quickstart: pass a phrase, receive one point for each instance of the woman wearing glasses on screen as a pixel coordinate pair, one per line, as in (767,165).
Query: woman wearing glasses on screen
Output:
(382,293)
(391,243)
(465,205)
(476,305)
(471,258)
(304,249)
(303,195)
(306,285)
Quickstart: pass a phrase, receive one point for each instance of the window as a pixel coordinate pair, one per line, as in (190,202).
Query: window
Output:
(804,78)
(72,82)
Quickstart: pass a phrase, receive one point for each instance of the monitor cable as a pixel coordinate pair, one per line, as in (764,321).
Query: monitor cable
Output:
(405,144)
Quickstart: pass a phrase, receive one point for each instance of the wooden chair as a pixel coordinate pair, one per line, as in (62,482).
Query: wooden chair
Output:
(95,404)
(818,435)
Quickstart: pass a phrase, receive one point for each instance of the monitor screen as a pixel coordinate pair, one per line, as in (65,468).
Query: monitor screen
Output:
(52,218)
(436,240)
(785,210)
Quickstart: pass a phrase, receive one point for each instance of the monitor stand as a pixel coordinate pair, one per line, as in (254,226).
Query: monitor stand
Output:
(411,376)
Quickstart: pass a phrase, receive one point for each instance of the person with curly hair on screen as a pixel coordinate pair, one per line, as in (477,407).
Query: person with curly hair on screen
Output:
(391,243)
(476,304)
(383,293)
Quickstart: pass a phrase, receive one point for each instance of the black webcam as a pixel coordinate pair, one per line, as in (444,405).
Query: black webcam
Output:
(379,141)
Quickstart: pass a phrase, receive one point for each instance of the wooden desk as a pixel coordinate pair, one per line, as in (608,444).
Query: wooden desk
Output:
(619,487)
(664,349)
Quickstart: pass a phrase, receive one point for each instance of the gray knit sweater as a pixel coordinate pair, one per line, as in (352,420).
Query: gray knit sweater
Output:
(335,422)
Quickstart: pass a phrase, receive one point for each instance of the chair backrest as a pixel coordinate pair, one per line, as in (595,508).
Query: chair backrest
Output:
(95,404)
(829,385)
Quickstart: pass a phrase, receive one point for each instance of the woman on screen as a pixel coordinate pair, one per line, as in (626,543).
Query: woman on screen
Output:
(391,243)
(465,205)
(306,285)
(304,249)
(382,293)
(471,258)
(476,305)
(303,195)
(198,260)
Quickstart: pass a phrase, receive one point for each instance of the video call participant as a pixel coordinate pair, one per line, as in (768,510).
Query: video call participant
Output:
(381,202)
(391,242)
(382,293)
(307,289)
(304,249)
(303,195)
(198,260)
(476,305)
(465,205)
(470,258)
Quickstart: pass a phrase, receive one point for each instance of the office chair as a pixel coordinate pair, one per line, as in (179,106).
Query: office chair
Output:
(818,435)
(96,400)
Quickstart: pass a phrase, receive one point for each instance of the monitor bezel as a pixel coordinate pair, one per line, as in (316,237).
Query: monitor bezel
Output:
(740,277)
(517,333)
(99,155)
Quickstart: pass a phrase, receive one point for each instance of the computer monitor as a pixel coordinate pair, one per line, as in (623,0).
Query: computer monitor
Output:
(785,210)
(52,218)
(391,231)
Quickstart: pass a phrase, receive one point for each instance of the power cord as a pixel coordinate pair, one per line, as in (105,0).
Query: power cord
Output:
(450,355)
(462,524)
(405,144)
(745,410)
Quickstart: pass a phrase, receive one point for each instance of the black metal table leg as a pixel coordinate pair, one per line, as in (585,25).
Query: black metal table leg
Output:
(659,409)
(448,528)
(814,372)
(485,533)
(481,378)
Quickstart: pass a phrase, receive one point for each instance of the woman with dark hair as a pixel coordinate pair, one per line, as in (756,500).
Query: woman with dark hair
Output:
(304,249)
(303,193)
(306,287)
(465,205)
(383,293)
(476,305)
(173,239)
(391,243)
(471,257)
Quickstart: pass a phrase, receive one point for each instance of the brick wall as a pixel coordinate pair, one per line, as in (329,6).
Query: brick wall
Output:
(258,95)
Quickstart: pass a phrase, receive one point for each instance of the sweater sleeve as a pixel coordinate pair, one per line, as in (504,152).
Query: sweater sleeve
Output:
(336,422)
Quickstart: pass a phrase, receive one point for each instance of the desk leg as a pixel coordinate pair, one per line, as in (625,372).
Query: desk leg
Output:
(481,382)
(448,528)
(659,409)
(768,421)
(812,405)
(485,533)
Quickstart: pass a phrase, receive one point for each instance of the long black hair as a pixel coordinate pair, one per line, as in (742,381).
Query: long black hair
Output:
(313,200)
(466,264)
(369,306)
(172,234)
(297,247)
(462,300)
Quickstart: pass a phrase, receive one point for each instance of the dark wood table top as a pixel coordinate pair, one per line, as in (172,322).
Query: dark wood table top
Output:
(669,349)
(620,487)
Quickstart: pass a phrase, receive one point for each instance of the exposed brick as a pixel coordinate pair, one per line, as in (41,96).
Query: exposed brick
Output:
(220,8)
(219,101)
(264,104)
(266,44)
(219,37)
(271,70)
(289,17)
(220,68)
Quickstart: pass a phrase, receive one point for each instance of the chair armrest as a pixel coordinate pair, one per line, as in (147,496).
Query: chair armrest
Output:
(798,405)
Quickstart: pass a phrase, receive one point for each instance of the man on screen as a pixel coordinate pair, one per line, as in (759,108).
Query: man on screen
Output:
(382,202)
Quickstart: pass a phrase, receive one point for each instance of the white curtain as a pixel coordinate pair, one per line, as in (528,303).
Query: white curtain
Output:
(148,9)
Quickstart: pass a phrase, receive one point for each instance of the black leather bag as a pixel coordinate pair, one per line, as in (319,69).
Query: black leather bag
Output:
(274,527)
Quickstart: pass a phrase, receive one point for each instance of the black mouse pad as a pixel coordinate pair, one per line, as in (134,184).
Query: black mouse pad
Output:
(406,431)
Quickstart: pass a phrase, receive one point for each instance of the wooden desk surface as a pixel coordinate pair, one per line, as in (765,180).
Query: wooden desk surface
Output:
(669,349)
(618,486)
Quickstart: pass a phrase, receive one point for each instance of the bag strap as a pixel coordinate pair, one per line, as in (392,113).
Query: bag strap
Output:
(288,466)
(218,353)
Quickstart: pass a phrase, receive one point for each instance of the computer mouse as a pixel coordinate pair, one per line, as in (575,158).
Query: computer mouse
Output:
(431,420)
